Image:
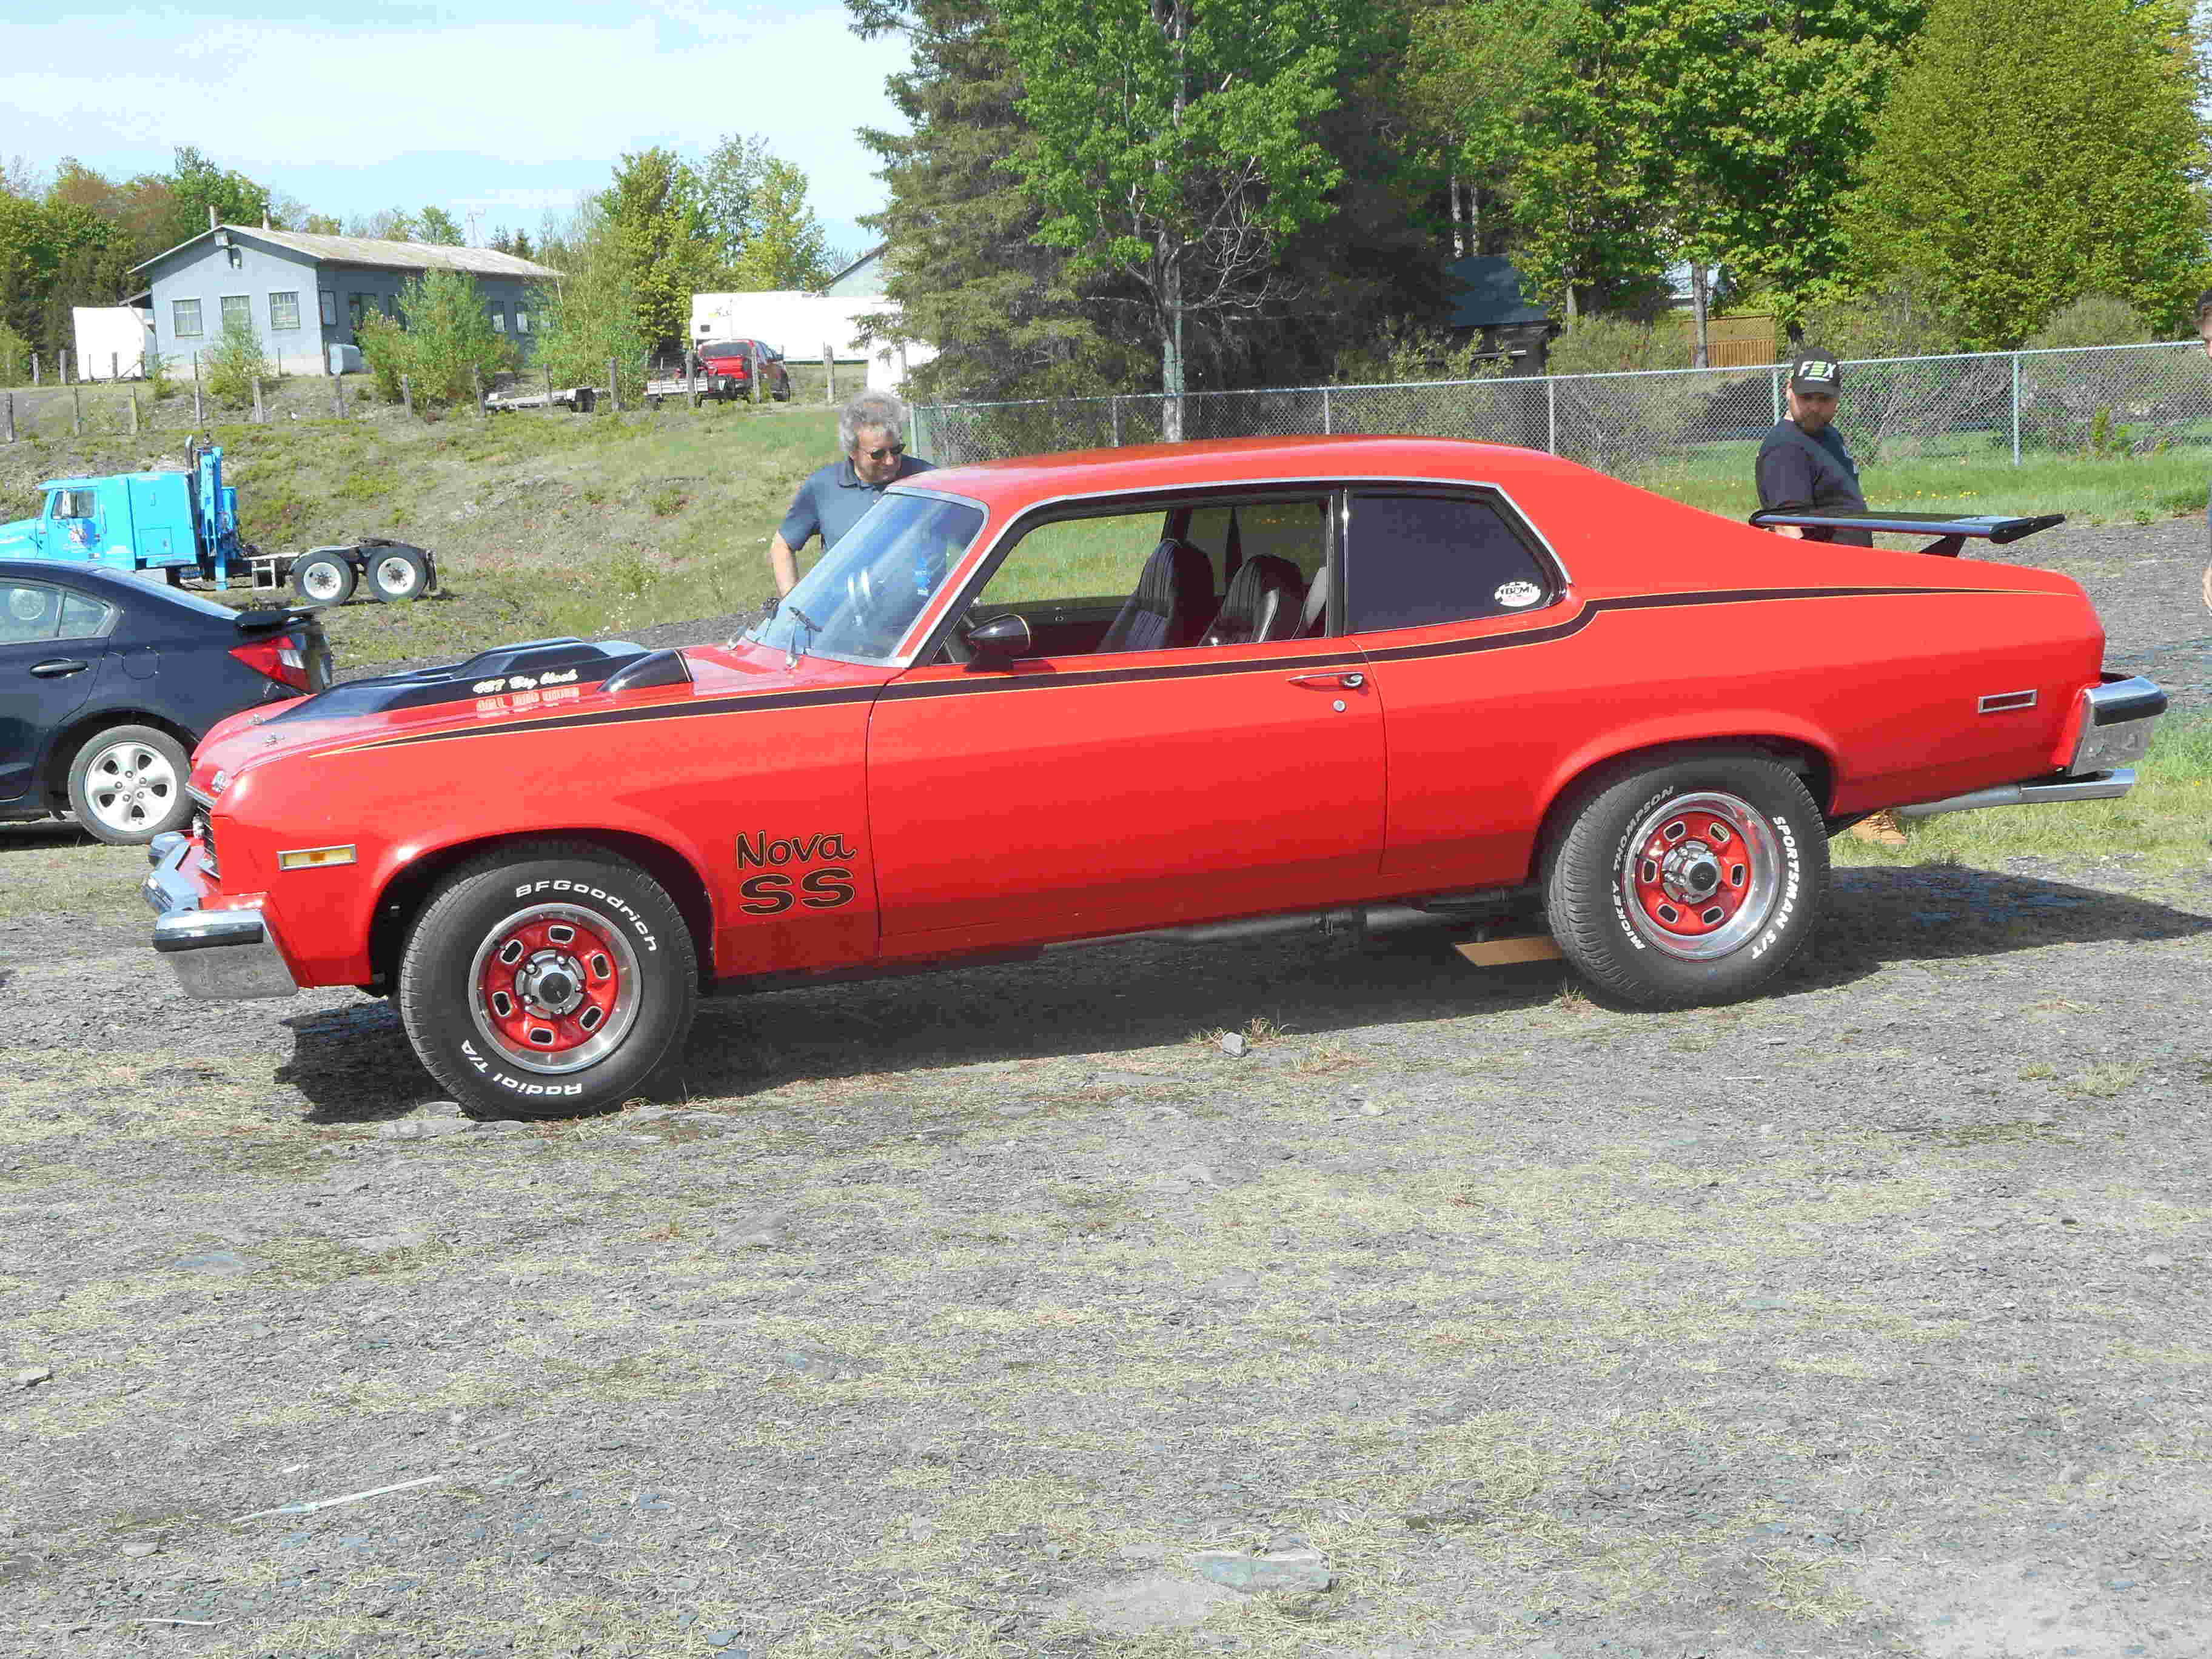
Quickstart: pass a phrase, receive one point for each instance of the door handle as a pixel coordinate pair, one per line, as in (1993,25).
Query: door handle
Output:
(1351,682)
(55,667)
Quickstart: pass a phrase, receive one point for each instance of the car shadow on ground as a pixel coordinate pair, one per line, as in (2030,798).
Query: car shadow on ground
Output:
(42,834)
(354,1065)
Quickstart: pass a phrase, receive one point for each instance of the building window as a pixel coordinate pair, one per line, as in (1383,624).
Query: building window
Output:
(330,309)
(353,309)
(184,318)
(284,312)
(238,308)
(521,318)
(498,316)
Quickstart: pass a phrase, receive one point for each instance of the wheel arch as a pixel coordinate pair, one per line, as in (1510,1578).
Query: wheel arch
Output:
(53,779)
(404,895)
(1809,759)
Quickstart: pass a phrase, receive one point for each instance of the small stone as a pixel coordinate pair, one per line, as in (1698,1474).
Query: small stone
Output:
(425,1129)
(721,1638)
(1017,1110)
(1372,1108)
(440,1109)
(1232,1043)
(140,1550)
(2158,1258)
(227,1263)
(2120,1584)
(816,1365)
(1236,1282)
(1764,1304)
(501,1126)
(31,1375)
(651,1114)
(758,1232)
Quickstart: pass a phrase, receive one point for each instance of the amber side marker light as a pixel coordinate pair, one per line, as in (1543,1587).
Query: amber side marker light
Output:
(314,858)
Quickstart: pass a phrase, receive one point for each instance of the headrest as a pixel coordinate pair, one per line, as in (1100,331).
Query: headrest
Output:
(1259,603)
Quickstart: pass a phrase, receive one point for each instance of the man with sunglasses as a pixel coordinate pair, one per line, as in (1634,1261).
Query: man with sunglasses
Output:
(872,432)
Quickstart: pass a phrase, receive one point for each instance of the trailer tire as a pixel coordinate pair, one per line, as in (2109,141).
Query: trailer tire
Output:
(323,579)
(397,573)
(584,399)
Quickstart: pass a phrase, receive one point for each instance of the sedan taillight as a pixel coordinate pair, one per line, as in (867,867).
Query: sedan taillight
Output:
(283,659)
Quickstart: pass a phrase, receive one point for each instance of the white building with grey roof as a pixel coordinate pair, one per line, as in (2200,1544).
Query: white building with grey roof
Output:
(305,294)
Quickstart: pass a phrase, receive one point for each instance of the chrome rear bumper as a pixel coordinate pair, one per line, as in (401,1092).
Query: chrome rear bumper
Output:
(219,956)
(2117,718)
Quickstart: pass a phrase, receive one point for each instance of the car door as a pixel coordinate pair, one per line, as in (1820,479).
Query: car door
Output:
(53,650)
(1097,789)
(1466,618)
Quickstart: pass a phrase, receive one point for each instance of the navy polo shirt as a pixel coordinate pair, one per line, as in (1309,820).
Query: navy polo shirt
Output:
(1798,471)
(832,501)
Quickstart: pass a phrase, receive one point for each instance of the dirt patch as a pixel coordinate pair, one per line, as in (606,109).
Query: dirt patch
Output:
(992,1314)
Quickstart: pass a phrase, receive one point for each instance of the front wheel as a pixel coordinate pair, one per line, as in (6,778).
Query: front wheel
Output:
(1691,881)
(547,981)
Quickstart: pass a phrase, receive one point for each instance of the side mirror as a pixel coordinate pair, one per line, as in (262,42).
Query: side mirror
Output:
(1001,640)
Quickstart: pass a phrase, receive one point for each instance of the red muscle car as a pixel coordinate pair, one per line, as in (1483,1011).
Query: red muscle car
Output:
(1195,692)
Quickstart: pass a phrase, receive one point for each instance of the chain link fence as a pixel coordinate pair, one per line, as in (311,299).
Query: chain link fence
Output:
(2101,400)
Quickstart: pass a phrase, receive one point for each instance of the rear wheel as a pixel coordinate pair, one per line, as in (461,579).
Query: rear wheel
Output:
(1687,882)
(546,982)
(398,574)
(127,784)
(323,579)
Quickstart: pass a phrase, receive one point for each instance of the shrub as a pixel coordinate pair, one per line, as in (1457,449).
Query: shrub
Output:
(15,357)
(445,344)
(1614,345)
(1906,319)
(2094,319)
(159,381)
(1402,350)
(235,363)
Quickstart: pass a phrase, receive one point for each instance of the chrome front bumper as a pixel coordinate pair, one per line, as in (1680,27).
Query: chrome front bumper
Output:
(220,956)
(2117,718)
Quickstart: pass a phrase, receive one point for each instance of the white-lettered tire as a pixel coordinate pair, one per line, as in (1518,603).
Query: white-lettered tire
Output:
(126,785)
(547,980)
(1690,880)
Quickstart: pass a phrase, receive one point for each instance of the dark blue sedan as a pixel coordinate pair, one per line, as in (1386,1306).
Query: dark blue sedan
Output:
(107,683)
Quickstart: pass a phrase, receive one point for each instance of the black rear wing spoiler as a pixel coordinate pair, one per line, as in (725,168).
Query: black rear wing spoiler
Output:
(1950,531)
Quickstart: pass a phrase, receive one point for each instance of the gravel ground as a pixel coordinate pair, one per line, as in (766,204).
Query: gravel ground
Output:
(1005,1312)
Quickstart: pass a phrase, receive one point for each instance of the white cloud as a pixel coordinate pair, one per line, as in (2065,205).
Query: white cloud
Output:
(265,96)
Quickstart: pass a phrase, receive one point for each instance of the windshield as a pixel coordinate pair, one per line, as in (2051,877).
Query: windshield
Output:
(857,604)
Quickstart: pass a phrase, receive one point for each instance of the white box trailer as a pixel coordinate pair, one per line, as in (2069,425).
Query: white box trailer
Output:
(111,342)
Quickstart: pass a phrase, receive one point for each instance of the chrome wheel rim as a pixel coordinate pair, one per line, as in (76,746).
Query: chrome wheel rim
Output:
(130,786)
(1700,876)
(553,988)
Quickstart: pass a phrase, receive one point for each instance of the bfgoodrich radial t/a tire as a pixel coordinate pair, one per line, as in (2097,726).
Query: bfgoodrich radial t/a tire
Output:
(547,980)
(1689,881)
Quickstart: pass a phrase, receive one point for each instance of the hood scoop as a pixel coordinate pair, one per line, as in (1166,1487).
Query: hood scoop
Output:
(533,665)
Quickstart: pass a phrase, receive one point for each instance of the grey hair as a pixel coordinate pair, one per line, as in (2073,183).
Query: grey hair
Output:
(870,409)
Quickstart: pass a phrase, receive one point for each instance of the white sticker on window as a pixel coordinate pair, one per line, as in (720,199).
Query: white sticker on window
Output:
(1513,595)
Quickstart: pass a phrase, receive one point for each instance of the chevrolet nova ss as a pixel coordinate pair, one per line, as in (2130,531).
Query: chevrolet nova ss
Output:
(1191,692)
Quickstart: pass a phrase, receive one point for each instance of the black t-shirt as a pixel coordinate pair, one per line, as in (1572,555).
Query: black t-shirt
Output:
(1799,471)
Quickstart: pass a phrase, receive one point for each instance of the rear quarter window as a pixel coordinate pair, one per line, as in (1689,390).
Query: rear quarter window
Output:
(1414,560)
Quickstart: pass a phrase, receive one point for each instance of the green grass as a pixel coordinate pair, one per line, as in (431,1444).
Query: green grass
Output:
(2165,821)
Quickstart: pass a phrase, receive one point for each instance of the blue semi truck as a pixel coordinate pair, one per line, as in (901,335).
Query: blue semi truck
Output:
(184,524)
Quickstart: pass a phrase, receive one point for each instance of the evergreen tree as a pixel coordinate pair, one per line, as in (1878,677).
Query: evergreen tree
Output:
(2033,153)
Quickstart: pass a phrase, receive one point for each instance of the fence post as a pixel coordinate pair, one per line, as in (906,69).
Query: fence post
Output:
(134,411)
(337,396)
(196,420)
(614,387)
(8,415)
(260,414)
(1774,386)
(1113,407)
(407,396)
(1327,413)
(829,373)
(1551,414)
(549,390)
(2015,408)
(65,368)
(34,368)
(476,383)
(76,408)
(691,376)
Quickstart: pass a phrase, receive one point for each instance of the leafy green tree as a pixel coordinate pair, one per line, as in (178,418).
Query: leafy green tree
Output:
(446,343)
(199,185)
(591,316)
(2094,319)
(2036,152)
(657,214)
(322,224)
(729,189)
(15,357)
(438,227)
(1176,147)
(785,247)
(966,273)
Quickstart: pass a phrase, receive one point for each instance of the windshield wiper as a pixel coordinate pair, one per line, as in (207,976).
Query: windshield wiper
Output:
(795,650)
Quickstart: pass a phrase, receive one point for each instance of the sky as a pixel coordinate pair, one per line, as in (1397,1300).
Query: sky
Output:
(490,107)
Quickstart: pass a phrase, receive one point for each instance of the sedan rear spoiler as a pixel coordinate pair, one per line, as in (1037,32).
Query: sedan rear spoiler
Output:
(1950,530)
(261,621)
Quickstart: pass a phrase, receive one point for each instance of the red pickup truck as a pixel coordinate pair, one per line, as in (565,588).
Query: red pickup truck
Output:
(745,362)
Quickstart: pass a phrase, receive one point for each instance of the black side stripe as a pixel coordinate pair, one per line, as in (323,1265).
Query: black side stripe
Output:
(1338,658)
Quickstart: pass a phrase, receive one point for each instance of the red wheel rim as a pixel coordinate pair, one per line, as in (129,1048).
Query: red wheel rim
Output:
(553,987)
(1699,875)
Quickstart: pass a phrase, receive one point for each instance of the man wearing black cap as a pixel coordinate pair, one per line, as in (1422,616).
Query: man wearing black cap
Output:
(1803,464)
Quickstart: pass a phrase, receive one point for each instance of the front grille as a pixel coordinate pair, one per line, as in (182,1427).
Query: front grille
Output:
(203,833)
